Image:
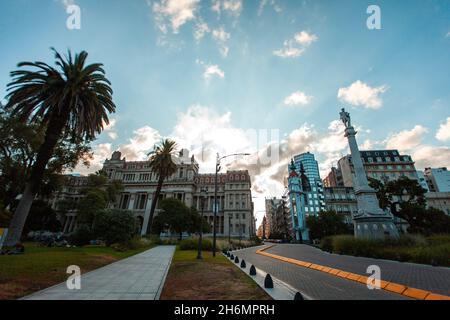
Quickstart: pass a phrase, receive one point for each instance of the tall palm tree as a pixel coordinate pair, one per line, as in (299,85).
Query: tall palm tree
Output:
(162,164)
(71,99)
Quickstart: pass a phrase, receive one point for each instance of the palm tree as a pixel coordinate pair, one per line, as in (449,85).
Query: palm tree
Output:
(162,164)
(72,99)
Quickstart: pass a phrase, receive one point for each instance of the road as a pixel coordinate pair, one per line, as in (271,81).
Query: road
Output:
(323,286)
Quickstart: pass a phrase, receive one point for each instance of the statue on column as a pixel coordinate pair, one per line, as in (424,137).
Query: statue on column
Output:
(345,117)
(370,221)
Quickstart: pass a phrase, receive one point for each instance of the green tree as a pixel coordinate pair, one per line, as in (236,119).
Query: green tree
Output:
(20,144)
(42,217)
(327,223)
(90,205)
(162,164)
(71,100)
(424,221)
(114,226)
(175,217)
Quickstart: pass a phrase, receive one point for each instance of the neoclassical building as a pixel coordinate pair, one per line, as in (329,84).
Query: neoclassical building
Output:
(235,216)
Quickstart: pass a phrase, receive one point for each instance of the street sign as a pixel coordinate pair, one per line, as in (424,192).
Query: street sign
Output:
(3,234)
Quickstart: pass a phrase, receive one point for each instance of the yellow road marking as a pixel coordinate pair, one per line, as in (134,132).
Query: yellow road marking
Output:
(386,285)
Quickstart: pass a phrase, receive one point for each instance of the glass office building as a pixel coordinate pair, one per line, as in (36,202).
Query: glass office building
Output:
(315,198)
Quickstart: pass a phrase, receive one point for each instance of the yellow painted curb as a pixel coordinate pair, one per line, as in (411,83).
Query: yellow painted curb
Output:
(386,285)
(433,296)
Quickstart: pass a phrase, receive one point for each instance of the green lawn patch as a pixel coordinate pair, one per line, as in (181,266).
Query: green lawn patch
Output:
(208,279)
(42,267)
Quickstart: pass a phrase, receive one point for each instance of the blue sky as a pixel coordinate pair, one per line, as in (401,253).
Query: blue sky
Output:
(258,65)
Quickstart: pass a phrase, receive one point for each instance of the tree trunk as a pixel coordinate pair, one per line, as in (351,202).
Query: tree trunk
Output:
(52,135)
(154,202)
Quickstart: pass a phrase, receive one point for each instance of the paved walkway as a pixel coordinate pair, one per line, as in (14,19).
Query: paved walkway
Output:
(434,279)
(317,285)
(140,277)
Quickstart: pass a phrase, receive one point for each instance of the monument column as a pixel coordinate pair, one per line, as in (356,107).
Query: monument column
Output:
(370,221)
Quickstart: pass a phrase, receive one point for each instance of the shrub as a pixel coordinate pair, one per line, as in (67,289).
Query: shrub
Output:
(81,236)
(438,239)
(327,244)
(192,244)
(114,226)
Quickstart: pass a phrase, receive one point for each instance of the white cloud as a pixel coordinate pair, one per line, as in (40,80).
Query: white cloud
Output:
(234,7)
(410,142)
(288,51)
(305,38)
(272,3)
(431,156)
(222,37)
(174,12)
(297,98)
(211,71)
(110,129)
(443,134)
(360,94)
(140,144)
(447,35)
(295,47)
(406,140)
(201,28)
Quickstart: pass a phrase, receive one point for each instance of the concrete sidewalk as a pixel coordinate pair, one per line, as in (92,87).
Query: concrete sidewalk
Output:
(140,277)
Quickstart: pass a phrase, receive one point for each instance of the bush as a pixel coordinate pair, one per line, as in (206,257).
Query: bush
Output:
(327,244)
(114,226)
(192,244)
(81,236)
(438,239)
(408,248)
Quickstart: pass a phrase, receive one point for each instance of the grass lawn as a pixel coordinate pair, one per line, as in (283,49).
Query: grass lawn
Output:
(209,279)
(42,267)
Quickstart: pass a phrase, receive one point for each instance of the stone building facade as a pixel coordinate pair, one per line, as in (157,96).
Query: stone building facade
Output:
(235,206)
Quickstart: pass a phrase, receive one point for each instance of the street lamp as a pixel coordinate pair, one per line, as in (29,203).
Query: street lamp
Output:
(215,207)
(203,195)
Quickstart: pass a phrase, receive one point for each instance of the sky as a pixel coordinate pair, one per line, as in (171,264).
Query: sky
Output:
(267,77)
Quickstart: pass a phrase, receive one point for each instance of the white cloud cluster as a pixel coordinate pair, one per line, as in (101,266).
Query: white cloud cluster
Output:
(174,13)
(140,144)
(110,129)
(201,29)
(443,133)
(297,98)
(234,7)
(221,37)
(410,142)
(407,139)
(273,3)
(361,94)
(211,70)
(296,47)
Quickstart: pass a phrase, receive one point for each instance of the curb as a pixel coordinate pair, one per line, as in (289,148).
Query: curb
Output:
(281,290)
(385,285)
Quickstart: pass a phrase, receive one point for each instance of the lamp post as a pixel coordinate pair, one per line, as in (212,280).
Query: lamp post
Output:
(229,228)
(203,195)
(215,207)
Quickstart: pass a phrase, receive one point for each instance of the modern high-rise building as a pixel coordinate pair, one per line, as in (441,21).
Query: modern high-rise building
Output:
(315,201)
(438,179)
(383,165)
